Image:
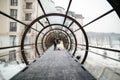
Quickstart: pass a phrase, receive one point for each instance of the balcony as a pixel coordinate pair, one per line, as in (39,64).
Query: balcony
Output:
(28,18)
(29,0)
(30,9)
(28,21)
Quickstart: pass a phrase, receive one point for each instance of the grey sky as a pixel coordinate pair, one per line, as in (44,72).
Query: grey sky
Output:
(91,9)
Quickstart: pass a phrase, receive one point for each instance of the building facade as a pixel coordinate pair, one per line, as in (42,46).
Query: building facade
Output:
(25,11)
(10,30)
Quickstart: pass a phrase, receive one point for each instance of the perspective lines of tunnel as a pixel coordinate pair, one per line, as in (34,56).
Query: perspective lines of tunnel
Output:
(57,39)
(51,32)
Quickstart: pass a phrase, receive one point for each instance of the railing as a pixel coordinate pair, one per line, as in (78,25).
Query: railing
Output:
(90,50)
(101,48)
(10,65)
(13,63)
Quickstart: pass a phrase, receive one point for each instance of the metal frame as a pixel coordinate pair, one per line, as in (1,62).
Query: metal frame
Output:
(87,23)
(102,55)
(67,11)
(62,30)
(43,10)
(115,6)
(16,20)
(54,14)
(52,25)
(65,33)
(1,48)
(109,49)
(69,34)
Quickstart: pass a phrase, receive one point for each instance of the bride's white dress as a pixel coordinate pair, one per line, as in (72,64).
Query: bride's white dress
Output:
(60,46)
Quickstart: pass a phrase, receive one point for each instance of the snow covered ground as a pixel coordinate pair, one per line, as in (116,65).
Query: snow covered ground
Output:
(9,70)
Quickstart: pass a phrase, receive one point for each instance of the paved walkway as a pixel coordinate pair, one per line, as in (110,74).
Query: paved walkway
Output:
(54,65)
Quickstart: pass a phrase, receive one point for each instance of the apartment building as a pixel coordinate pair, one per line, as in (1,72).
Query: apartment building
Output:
(10,30)
(25,11)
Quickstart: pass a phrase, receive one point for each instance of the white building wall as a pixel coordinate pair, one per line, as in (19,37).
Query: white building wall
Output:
(48,6)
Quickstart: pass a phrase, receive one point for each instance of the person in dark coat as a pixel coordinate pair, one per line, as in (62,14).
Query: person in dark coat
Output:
(55,44)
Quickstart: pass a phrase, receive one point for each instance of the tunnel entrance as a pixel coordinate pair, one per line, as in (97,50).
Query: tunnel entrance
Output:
(70,37)
(56,34)
(41,33)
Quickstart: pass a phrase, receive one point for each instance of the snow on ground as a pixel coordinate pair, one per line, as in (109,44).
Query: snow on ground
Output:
(7,71)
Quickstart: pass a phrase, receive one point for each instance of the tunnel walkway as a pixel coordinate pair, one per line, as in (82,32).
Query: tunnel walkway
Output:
(54,65)
(35,37)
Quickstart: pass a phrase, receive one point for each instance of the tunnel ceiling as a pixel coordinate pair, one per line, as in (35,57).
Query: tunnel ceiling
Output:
(57,25)
(50,32)
(70,38)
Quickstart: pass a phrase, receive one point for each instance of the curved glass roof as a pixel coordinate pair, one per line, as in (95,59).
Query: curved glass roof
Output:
(91,9)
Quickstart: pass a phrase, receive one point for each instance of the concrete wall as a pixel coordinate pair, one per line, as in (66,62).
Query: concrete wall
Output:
(109,74)
(100,72)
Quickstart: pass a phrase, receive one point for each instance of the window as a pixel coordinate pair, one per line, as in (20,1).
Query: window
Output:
(12,55)
(27,40)
(13,13)
(14,2)
(28,16)
(13,26)
(28,5)
(12,39)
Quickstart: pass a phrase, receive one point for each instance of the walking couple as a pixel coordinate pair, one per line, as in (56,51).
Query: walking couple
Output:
(58,44)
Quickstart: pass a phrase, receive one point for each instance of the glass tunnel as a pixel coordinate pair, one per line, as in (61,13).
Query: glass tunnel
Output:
(89,31)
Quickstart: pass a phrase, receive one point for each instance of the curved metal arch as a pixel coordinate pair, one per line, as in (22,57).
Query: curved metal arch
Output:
(86,52)
(66,34)
(49,35)
(54,14)
(65,31)
(60,25)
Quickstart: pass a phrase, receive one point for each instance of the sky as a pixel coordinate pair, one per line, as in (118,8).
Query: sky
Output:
(91,9)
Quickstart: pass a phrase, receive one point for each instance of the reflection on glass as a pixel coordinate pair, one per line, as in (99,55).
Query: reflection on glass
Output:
(10,64)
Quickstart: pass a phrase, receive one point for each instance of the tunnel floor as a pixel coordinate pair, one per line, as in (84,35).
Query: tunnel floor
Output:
(54,65)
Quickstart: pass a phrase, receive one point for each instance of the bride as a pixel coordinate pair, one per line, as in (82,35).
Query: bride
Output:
(60,45)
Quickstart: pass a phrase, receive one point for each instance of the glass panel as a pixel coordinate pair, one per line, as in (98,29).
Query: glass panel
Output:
(61,5)
(11,63)
(90,9)
(105,32)
(56,19)
(97,64)
(102,33)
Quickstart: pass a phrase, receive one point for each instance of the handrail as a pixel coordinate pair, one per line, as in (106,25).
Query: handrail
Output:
(109,49)
(15,52)
(1,48)
(104,44)
(102,55)
(105,56)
